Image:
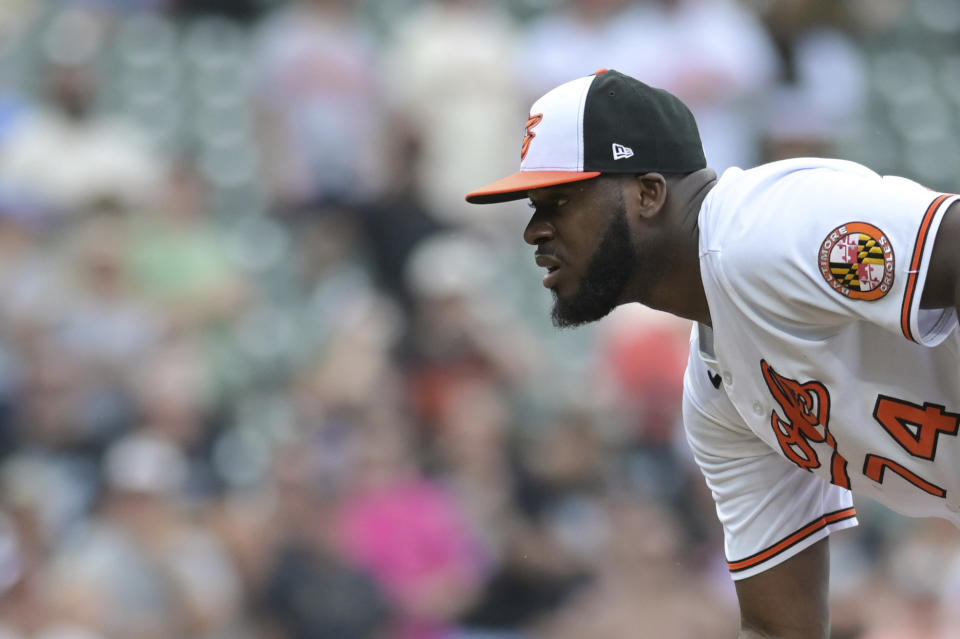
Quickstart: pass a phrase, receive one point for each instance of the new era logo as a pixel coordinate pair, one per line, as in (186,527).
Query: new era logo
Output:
(621,152)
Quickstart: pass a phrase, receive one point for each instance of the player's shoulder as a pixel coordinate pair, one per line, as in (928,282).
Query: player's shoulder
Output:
(761,228)
(793,165)
(795,201)
(780,169)
(777,189)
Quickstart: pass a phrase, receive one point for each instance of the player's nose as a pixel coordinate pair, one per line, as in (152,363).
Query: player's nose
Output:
(538,229)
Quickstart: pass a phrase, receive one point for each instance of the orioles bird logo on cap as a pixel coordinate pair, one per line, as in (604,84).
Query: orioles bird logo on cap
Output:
(528,137)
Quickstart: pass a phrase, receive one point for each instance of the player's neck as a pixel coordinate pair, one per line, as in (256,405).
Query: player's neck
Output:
(681,291)
(692,303)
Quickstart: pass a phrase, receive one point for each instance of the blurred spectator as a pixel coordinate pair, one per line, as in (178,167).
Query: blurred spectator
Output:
(911,583)
(141,568)
(67,154)
(107,325)
(104,331)
(62,408)
(579,38)
(318,597)
(318,96)
(399,221)
(642,355)
(310,591)
(823,82)
(547,523)
(472,442)
(410,534)
(175,398)
(643,582)
(458,326)
(450,83)
(179,259)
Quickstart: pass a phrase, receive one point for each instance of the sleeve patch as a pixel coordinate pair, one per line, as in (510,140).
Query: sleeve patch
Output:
(857,261)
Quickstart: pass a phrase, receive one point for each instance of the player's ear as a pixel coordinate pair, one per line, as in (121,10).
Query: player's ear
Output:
(648,193)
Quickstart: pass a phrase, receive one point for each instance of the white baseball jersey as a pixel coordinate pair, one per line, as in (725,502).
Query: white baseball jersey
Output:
(820,373)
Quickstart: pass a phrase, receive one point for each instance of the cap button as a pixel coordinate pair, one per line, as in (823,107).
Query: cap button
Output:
(600,71)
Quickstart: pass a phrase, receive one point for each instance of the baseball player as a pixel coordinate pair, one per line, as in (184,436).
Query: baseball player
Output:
(825,355)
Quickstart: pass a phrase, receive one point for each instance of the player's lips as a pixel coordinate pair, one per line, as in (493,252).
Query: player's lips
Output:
(552,265)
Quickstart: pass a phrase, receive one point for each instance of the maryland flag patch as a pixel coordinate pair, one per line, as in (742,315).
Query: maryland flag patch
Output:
(857,261)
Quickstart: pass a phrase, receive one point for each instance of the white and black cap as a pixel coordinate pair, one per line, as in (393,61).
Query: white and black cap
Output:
(607,122)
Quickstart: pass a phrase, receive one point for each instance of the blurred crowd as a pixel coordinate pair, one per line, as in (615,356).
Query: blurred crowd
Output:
(265,375)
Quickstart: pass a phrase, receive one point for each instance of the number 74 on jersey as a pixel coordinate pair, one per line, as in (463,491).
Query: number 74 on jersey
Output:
(805,421)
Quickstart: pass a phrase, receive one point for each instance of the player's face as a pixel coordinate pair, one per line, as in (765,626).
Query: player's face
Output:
(583,239)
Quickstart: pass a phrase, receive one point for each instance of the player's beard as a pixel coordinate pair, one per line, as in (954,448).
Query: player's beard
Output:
(607,275)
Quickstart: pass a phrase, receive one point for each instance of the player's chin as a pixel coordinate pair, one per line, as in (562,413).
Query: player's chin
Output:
(570,312)
(559,314)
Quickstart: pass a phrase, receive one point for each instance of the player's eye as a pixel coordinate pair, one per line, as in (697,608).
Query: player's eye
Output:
(548,204)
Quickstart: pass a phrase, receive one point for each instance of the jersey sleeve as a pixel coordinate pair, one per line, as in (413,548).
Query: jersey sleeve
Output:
(824,247)
(769,508)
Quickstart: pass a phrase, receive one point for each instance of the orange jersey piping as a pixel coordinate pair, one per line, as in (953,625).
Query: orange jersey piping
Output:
(918,249)
(792,540)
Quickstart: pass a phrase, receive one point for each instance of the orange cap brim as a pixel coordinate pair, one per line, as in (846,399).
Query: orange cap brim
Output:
(515,187)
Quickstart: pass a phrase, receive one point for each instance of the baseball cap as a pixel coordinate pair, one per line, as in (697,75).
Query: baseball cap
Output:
(607,122)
